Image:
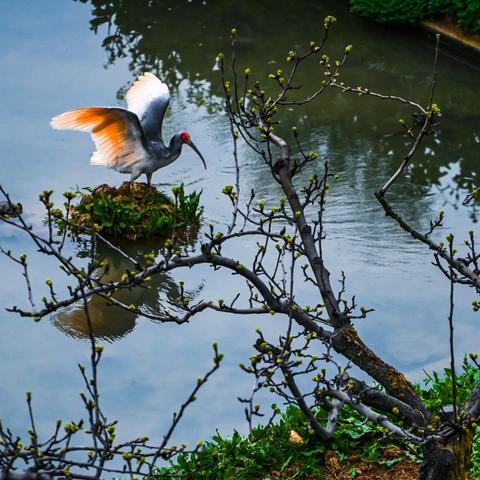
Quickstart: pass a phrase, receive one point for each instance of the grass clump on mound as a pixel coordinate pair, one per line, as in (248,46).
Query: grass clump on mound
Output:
(136,212)
(286,449)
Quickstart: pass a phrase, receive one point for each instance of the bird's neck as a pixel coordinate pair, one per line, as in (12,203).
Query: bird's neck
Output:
(174,149)
(175,146)
(165,155)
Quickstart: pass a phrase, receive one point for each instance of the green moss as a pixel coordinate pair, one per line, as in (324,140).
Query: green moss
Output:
(136,212)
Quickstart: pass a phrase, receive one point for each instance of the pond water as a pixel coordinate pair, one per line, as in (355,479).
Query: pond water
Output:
(85,54)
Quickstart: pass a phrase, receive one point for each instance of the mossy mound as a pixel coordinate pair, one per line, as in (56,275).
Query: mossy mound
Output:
(136,212)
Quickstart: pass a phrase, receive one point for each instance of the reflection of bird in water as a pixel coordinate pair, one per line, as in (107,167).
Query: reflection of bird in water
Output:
(109,321)
(130,141)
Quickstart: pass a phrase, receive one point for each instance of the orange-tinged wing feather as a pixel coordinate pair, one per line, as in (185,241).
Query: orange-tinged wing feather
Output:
(116,132)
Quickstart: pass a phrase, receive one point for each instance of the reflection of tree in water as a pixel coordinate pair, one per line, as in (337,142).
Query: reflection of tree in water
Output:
(111,322)
(179,40)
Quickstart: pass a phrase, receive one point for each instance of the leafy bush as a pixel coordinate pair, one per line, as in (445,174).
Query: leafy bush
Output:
(410,12)
(468,14)
(390,11)
(439,395)
(136,212)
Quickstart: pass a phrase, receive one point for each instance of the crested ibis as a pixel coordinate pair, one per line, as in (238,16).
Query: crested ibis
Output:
(130,140)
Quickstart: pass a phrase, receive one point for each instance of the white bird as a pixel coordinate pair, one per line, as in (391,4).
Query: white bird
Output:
(130,140)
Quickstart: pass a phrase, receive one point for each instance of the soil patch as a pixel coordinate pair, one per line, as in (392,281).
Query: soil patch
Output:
(356,469)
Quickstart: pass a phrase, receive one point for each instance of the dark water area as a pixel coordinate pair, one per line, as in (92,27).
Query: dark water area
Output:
(87,53)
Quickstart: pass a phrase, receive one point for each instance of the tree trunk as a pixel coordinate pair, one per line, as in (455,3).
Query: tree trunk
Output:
(449,460)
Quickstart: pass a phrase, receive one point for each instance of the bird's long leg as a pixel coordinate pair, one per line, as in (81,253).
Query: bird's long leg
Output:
(134,175)
(149,178)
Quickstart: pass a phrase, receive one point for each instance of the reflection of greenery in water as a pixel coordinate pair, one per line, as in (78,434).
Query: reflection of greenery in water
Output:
(111,322)
(179,41)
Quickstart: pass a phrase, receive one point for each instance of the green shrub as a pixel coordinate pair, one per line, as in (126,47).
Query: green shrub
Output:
(468,14)
(410,12)
(406,12)
(435,8)
(438,394)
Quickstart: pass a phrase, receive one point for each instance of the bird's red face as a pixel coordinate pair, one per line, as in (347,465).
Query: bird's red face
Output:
(185,136)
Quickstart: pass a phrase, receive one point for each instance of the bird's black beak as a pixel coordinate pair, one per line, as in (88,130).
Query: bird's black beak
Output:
(197,151)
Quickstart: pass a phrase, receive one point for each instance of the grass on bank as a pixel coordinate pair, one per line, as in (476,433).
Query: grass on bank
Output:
(286,450)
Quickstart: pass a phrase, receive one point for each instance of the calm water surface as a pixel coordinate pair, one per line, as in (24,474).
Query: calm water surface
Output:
(86,54)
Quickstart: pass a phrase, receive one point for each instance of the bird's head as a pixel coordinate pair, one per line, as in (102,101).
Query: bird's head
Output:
(185,137)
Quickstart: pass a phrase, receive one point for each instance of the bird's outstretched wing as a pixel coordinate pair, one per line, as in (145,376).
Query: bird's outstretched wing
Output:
(116,132)
(148,98)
